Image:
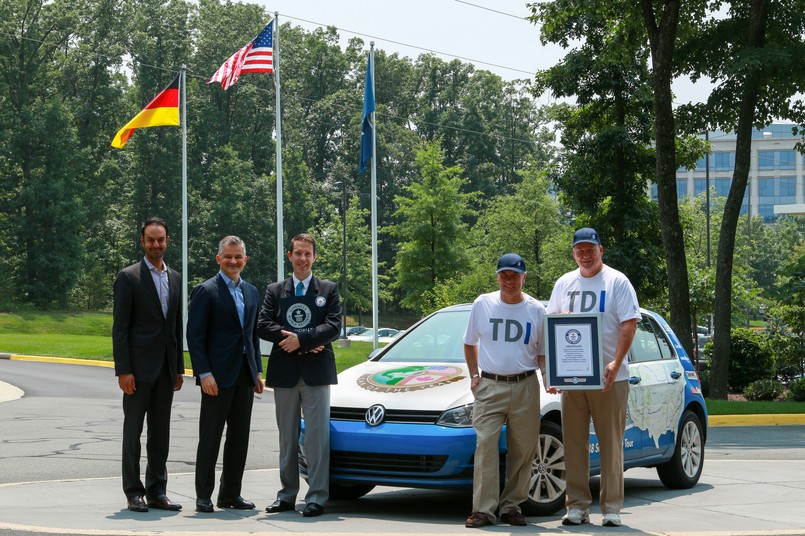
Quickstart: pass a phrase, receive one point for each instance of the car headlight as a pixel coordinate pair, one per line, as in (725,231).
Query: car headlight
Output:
(460,417)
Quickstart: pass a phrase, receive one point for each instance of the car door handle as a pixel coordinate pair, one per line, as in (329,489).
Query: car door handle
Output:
(676,375)
(634,380)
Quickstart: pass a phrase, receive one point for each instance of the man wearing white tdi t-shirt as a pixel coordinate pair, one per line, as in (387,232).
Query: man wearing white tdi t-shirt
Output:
(503,347)
(596,288)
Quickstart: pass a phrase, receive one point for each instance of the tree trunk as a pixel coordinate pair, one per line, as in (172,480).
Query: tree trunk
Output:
(732,210)
(661,40)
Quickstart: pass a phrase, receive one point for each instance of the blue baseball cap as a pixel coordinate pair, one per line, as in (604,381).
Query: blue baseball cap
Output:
(513,262)
(586,234)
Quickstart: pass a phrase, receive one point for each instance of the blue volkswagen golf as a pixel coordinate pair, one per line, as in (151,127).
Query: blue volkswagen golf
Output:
(404,418)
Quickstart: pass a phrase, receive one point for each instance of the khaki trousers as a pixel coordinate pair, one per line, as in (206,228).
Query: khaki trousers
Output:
(496,403)
(608,411)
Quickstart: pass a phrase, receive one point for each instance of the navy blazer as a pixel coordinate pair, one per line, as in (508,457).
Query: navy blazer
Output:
(215,338)
(284,370)
(141,335)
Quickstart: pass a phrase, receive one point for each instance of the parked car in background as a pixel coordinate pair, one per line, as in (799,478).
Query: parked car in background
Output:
(352,330)
(404,418)
(384,335)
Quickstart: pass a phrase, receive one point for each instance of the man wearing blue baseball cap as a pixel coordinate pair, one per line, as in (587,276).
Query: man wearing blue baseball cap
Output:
(596,288)
(503,347)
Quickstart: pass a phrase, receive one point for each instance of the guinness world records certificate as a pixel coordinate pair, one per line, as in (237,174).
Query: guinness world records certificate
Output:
(575,359)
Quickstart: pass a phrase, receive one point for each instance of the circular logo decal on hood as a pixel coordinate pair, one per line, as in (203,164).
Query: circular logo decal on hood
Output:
(411,378)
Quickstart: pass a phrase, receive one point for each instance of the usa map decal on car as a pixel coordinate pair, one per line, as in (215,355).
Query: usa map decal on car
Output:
(412,378)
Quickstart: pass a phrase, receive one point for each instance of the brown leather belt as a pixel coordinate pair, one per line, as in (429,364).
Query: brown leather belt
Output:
(510,377)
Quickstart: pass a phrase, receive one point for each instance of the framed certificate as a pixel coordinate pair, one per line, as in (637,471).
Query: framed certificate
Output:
(574,357)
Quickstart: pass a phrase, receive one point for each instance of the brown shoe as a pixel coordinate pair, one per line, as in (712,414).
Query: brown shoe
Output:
(513,517)
(477,520)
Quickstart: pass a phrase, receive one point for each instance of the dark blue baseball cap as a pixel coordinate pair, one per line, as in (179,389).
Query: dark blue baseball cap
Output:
(513,262)
(586,234)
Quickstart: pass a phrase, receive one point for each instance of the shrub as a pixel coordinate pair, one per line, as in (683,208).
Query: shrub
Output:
(764,390)
(750,359)
(798,389)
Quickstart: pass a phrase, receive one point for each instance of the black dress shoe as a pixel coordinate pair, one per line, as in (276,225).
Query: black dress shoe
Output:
(204,505)
(137,504)
(313,510)
(238,503)
(279,506)
(163,503)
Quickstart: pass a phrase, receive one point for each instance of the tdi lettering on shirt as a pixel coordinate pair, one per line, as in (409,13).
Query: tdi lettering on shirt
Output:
(589,301)
(513,330)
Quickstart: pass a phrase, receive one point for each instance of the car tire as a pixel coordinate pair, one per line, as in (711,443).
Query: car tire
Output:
(548,475)
(349,492)
(683,470)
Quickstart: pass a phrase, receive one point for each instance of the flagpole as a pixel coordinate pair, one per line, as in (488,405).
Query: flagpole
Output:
(375,316)
(185,273)
(280,231)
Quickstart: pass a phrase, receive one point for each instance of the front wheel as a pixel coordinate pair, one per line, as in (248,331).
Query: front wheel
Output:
(548,475)
(683,470)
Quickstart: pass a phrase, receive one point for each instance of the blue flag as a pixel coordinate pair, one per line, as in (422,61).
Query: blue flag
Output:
(366,125)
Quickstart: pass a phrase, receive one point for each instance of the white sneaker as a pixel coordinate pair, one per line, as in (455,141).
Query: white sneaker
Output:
(611,520)
(574,516)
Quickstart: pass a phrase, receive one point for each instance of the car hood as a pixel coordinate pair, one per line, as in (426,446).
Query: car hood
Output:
(403,385)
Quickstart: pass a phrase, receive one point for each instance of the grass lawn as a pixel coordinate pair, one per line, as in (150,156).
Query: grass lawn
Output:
(735,407)
(89,336)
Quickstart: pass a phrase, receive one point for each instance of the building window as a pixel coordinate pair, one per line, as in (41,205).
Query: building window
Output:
(723,161)
(700,185)
(778,191)
(776,160)
(722,186)
(681,188)
(766,187)
(767,213)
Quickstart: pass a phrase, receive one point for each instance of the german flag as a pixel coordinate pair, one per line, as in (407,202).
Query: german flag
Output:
(163,110)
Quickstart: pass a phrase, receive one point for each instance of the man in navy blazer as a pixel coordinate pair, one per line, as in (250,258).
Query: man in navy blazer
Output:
(301,369)
(225,352)
(149,363)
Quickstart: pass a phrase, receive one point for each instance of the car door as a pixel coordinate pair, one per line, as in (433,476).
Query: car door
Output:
(657,393)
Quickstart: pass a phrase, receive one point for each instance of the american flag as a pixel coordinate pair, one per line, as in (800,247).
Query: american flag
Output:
(256,57)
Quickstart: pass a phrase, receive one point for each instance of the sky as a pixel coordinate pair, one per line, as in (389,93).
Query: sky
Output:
(491,34)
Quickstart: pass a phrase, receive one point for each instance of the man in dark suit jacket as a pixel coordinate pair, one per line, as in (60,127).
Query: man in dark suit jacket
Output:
(225,351)
(301,369)
(149,363)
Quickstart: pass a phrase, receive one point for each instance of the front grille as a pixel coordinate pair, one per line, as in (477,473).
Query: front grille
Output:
(392,415)
(371,461)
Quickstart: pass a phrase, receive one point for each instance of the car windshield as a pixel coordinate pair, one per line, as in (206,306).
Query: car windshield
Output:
(439,338)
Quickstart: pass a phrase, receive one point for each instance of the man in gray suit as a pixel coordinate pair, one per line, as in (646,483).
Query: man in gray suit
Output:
(301,316)
(149,363)
(225,351)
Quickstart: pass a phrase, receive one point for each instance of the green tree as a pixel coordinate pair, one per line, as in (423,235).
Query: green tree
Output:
(159,43)
(607,160)
(755,53)
(357,295)
(430,228)
(526,222)
(39,151)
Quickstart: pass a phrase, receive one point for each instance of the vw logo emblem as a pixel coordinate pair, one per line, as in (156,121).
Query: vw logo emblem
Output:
(375,415)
